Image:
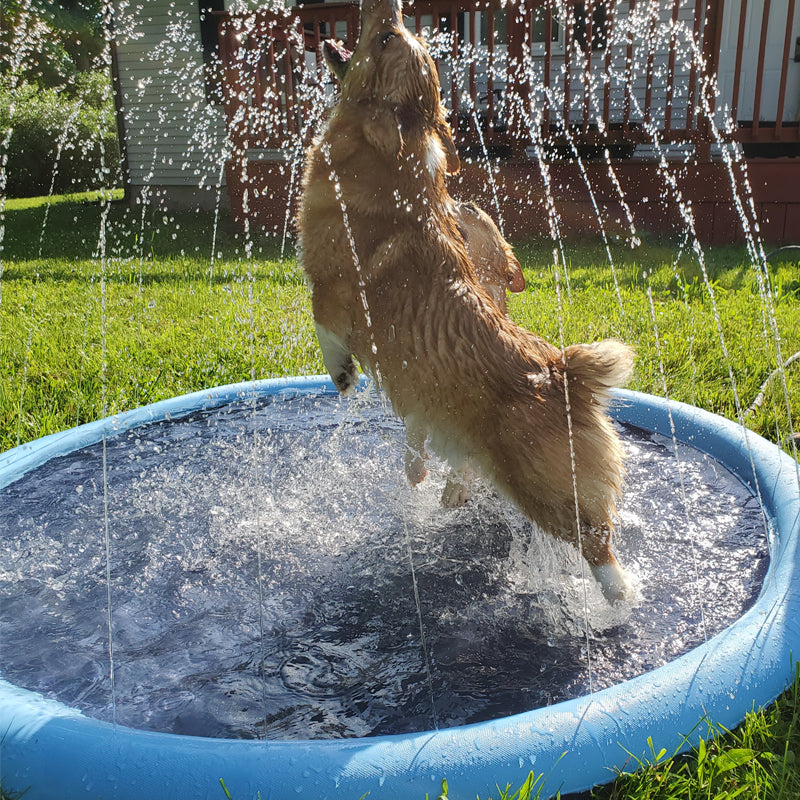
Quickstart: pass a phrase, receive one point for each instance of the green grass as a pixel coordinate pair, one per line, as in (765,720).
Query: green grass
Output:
(153,313)
(164,303)
(155,317)
(757,761)
(760,760)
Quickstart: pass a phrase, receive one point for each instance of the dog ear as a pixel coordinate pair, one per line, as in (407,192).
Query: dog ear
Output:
(382,131)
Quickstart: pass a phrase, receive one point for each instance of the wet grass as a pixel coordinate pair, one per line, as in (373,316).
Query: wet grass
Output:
(104,308)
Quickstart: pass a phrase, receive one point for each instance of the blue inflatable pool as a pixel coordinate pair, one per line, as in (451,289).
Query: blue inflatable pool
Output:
(52,751)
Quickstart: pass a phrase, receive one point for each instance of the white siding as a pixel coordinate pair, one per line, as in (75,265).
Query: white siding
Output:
(173,136)
(773,61)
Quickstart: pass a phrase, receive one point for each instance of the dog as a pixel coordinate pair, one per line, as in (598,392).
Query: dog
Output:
(392,285)
(495,267)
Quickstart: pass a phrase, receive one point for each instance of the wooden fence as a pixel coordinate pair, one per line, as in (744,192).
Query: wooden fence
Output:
(593,73)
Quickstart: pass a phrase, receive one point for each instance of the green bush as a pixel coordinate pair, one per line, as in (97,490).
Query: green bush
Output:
(60,141)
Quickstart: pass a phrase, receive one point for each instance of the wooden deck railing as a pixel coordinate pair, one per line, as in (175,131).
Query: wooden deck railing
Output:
(545,72)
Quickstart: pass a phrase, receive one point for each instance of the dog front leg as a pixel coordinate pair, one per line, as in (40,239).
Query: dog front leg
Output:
(338,360)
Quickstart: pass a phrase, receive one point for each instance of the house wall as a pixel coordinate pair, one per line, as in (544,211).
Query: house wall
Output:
(175,139)
(773,60)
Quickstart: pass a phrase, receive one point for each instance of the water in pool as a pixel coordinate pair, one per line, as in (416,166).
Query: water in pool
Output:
(261,581)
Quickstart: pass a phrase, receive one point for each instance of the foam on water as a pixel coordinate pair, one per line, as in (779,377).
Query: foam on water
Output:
(328,509)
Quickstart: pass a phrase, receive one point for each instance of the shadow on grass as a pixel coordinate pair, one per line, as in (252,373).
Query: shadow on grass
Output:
(80,228)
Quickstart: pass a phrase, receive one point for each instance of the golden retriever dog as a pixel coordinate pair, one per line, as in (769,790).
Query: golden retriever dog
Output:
(393,286)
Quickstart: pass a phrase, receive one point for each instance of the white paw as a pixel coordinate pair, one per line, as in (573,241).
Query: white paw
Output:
(614,582)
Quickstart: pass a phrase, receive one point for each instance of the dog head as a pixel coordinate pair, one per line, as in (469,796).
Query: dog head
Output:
(392,75)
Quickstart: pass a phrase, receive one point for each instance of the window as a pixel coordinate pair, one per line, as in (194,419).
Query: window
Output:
(538,25)
(599,27)
(500,29)
(209,37)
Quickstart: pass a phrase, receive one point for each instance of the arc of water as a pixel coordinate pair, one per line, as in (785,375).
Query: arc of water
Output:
(25,34)
(612,174)
(362,286)
(684,497)
(747,213)
(590,190)
(104,413)
(534,123)
(571,440)
(690,312)
(318,107)
(469,56)
(687,216)
(418,604)
(367,315)
(102,255)
(222,160)
(488,169)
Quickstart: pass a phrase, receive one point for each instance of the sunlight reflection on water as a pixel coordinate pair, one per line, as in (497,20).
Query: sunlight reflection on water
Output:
(316,485)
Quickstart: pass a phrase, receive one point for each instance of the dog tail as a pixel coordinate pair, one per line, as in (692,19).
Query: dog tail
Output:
(598,367)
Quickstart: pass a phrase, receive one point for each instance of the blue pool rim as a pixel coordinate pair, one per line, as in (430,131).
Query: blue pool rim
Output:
(50,750)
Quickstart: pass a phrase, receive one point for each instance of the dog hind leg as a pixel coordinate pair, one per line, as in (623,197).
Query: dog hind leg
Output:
(613,580)
(458,489)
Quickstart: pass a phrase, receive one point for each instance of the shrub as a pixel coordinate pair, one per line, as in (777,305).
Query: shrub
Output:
(60,141)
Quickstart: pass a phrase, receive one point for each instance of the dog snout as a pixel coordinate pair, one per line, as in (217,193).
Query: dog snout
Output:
(381,11)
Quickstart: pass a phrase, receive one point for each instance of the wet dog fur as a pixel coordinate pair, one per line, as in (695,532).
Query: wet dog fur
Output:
(392,285)
(495,267)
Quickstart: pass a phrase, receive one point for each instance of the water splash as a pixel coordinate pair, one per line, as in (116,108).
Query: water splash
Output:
(334,638)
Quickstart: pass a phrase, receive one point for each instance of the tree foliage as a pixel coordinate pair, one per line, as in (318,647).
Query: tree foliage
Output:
(57,124)
(50,43)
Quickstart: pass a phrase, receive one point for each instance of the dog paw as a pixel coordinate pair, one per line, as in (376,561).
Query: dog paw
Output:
(614,582)
(346,378)
(338,360)
(456,493)
(416,471)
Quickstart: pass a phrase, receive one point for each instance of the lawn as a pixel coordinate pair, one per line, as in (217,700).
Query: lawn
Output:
(105,308)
